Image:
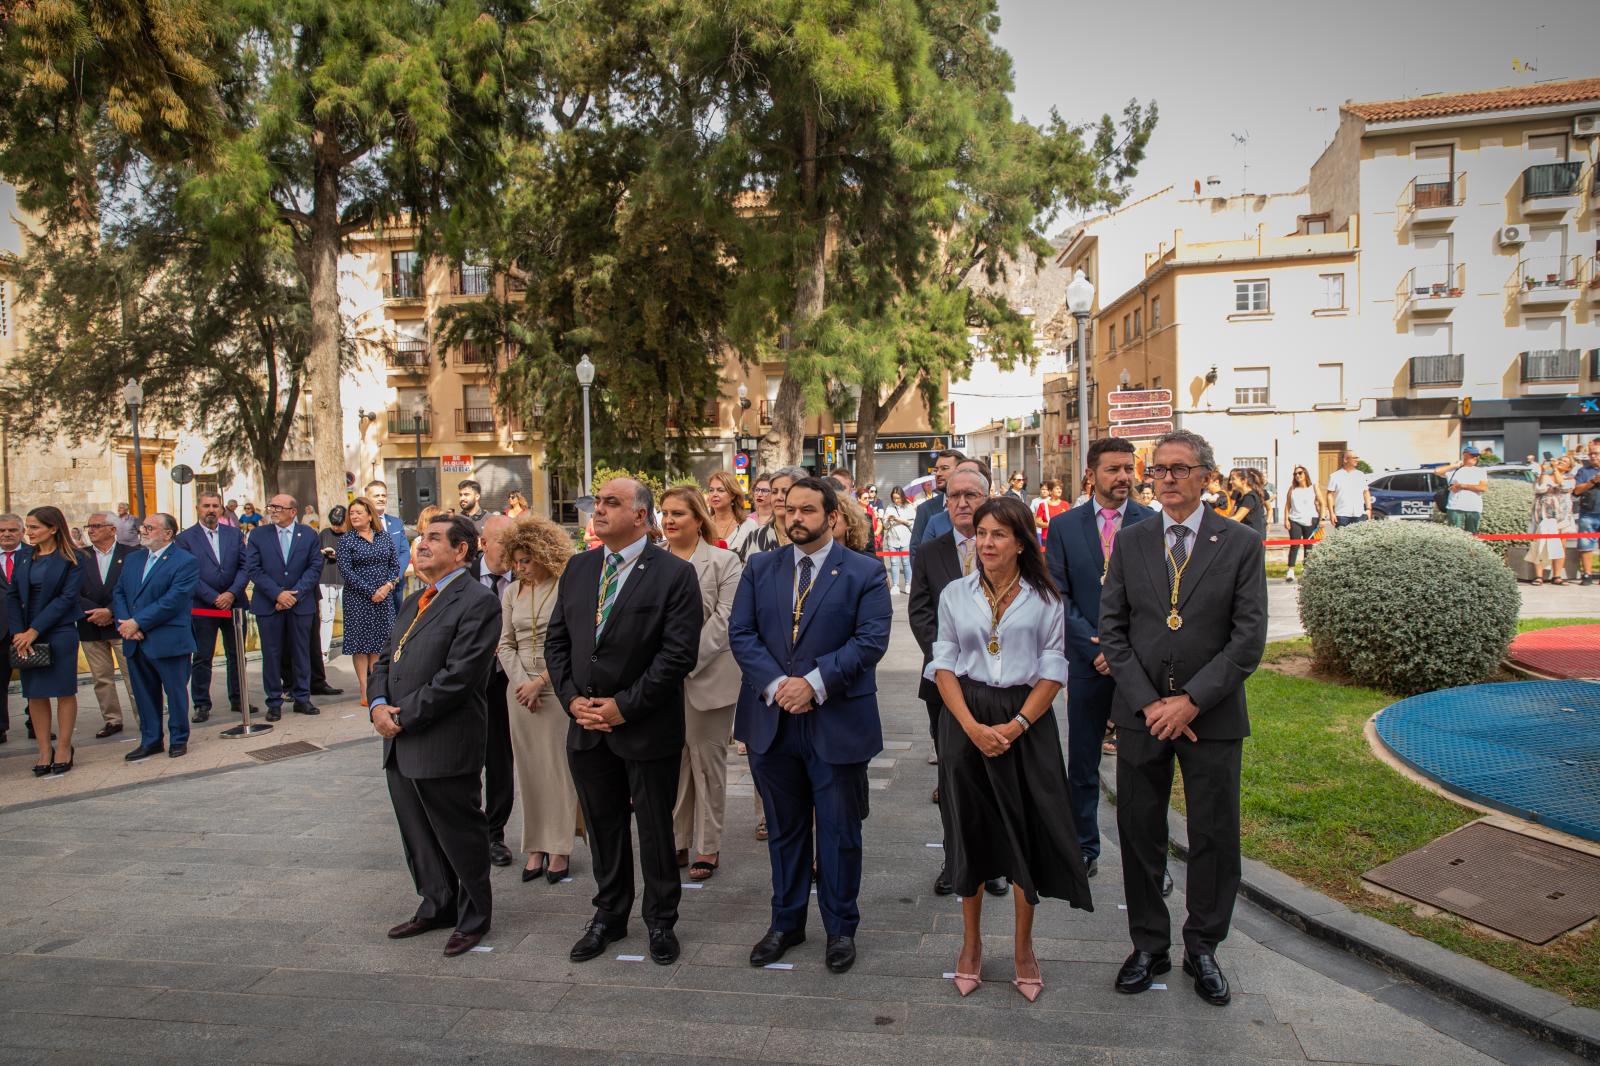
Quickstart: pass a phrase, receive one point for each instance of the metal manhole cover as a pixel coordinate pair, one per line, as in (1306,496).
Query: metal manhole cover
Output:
(1518,885)
(277,752)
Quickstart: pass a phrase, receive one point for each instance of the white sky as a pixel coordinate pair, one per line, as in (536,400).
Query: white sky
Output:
(1278,71)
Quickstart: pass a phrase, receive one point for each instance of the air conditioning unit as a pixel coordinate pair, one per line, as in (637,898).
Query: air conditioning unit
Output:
(1586,126)
(1510,235)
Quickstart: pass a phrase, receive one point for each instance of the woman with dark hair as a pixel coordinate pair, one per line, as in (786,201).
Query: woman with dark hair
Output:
(999,662)
(370,566)
(898,518)
(42,603)
(1248,493)
(1306,512)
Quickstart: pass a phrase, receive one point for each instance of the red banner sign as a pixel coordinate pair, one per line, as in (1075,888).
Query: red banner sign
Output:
(1141,430)
(1141,414)
(1141,396)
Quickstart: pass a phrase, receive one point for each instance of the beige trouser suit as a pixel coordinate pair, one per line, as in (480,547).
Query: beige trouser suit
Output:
(710,694)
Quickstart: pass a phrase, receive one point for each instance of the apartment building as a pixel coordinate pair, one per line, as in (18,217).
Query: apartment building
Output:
(1480,214)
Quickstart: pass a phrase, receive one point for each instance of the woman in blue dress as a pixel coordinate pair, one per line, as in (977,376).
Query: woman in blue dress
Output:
(371,569)
(42,604)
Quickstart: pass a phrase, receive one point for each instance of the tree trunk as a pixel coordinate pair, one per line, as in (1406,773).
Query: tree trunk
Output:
(870,416)
(327,412)
(788,411)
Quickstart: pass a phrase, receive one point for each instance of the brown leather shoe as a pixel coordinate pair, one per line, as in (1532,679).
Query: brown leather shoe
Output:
(460,943)
(110,729)
(415,927)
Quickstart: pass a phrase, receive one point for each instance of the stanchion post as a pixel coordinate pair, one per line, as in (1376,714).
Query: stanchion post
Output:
(245,728)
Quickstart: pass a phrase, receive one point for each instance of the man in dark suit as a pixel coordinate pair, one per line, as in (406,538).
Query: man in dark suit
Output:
(426,701)
(1078,548)
(809,624)
(219,552)
(151,604)
(624,634)
(944,559)
(499,770)
(939,524)
(944,464)
(284,561)
(1183,622)
(11,551)
(97,631)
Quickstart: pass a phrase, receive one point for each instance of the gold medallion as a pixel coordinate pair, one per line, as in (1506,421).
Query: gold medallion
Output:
(994,645)
(1174,621)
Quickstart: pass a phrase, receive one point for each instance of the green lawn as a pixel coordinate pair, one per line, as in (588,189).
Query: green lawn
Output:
(1318,805)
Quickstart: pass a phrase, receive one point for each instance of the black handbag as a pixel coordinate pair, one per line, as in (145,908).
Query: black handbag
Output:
(38,656)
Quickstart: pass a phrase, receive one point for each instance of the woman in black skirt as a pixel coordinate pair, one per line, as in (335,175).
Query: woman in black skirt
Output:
(999,662)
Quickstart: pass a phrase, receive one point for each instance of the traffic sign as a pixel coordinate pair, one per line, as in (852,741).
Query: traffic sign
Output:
(1141,430)
(182,474)
(1141,396)
(1141,414)
(741,461)
(830,451)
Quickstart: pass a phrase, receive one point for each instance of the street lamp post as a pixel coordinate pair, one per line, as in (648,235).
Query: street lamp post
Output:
(585,371)
(133,396)
(1080,298)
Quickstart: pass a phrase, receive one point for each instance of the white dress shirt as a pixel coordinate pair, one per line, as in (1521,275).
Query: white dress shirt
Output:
(630,555)
(211,537)
(1193,522)
(1032,634)
(966,551)
(1100,519)
(818,555)
(103,558)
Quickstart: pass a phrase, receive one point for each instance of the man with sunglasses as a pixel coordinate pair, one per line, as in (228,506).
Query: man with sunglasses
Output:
(1183,623)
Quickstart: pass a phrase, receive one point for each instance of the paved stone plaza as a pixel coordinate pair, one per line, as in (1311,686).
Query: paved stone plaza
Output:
(238,915)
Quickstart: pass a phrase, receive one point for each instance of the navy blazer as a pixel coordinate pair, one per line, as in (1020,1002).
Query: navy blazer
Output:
(96,593)
(272,573)
(215,578)
(5,589)
(844,631)
(396,529)
(159,602)
(1076,563)
(57,613)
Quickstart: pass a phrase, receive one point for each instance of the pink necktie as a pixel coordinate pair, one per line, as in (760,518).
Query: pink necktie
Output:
(1108,535)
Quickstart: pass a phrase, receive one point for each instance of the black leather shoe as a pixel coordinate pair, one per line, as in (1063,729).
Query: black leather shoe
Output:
(499,854)
(664,947)
(325,690)
(142,752)
(1166,883)
(1140,971)
(460,943)
(416,927)
(201,715)
(177,751)
(306,708)
(841,954)
(942,885)
(110,729)
(594,940)
(773,945)
(997,886)
(535,873)
(1091,865)
(1209,983)
(274,714)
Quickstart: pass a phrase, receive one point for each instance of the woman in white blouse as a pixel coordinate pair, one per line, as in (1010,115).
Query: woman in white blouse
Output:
(999,662)
(729,523)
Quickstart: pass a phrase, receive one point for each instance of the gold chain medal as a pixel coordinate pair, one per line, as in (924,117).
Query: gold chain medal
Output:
(1174,619)
(996,608)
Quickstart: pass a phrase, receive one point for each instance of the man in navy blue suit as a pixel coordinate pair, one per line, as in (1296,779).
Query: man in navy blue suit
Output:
(218,550)
(809,624)
(1077,545)
(940,524)
(284,561)
(378,493)
(151,606)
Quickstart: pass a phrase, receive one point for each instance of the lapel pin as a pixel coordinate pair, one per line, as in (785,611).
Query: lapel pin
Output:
(833,573)
(1213,538)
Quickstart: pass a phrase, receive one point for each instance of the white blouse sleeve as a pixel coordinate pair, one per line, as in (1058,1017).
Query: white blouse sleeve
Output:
(947,645)
(1052,657)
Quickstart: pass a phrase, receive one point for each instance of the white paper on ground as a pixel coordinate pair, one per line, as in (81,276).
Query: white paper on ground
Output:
(692,884)
(778,966)
(630,958)
(483,947)
(939,846)
(1160,988)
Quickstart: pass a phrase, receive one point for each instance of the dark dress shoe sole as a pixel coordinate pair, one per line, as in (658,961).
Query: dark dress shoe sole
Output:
(665,955)
(198,718)
(412,928)
(583,953)
(177,751)
(461,943)
(771,954)
(840,962)
(141,754)
(1216,1001)
(499,856)
(107,731)
(274,715)
(1157,968)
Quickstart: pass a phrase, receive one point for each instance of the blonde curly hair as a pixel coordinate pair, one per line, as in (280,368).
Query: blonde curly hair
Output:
(858,527)
(545,542)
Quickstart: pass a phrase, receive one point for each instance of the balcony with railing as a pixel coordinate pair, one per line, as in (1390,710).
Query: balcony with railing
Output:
(1594,364)
(1590,277)
(402,288)
(409,423)
(1549,188)
(1548,280)
(1550,365)
(475,355)
(1431,198)
(471,280)
(475,420)
(407,354)
(1426,289)
(1430,371)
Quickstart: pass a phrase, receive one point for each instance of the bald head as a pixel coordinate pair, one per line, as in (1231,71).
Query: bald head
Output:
(282,509)
(493,540)
(623,509)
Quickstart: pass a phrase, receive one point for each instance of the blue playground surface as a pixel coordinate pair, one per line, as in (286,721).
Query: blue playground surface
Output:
(1528,748)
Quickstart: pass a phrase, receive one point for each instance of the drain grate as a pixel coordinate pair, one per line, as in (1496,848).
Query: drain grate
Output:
(279,752)
(1518,885)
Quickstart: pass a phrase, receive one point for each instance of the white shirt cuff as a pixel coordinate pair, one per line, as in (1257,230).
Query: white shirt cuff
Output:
(770,693)
(814,679)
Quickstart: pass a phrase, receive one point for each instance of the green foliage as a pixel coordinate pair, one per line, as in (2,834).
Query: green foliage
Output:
(1408,606)
(603,474)
(1363,466)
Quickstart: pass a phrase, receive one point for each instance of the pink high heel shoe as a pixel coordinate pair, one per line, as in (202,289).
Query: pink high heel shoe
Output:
(968,983)
(1030,987)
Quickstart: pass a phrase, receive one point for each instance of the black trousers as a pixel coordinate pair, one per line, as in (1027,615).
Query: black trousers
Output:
(606,784)
(499,772)
(205,650)
(1211,790)
(447,847)
(935,708)
(319,669)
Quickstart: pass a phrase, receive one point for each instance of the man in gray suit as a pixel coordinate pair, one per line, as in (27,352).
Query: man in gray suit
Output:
(1183,622)
(427,703)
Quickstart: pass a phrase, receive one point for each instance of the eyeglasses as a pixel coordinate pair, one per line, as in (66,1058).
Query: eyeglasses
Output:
(98,525)
(1177,471)
(151,528)
(279,507)
(967,497)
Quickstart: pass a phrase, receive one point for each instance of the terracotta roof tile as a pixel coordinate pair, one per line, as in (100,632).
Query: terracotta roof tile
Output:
(1556,92)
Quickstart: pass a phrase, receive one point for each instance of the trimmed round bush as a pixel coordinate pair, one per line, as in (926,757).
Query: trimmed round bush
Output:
(1507,507)
(1408,607)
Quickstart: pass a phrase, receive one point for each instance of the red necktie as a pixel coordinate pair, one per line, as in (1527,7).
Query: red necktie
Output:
(8,568)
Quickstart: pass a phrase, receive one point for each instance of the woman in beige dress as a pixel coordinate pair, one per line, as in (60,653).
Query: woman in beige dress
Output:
(539,551)
(711,689)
